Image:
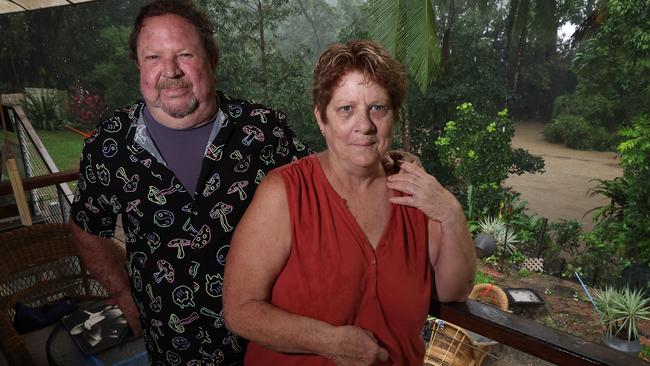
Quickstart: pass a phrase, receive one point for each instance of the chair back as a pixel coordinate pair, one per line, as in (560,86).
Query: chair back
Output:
(490,294)
(38,265)
(450,345)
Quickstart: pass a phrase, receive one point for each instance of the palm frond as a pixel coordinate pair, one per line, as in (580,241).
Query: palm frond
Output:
(385,17)
(419,49)
(407,29)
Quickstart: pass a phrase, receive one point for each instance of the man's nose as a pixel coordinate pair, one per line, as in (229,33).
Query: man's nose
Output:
(171,69)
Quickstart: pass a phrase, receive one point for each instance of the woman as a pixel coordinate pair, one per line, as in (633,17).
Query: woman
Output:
(332,261)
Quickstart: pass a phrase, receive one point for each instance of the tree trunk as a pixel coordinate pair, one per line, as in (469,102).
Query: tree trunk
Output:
(405,130)
(311,21)
(262,44)
(520,55)
(447,34)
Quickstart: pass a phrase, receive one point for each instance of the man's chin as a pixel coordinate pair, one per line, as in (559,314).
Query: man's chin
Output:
(180,111)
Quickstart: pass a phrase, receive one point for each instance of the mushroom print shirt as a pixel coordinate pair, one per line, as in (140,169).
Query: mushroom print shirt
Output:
(177,242)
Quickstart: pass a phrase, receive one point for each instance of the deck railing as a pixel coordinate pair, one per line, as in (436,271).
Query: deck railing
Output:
(49,203)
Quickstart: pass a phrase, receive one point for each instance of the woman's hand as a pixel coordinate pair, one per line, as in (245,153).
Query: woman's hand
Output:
(392,160)
(356,347)
(425,193)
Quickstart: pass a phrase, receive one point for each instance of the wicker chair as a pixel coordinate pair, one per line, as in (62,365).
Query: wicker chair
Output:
(39,266)
(450,345)
(490,294)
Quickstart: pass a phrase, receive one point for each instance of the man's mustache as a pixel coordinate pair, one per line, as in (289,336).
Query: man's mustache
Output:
(165,83)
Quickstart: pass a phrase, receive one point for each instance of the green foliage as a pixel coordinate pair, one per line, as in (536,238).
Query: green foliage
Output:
(481,277)
(562,246)
(253,66)
(576,133)
(645,351)
(43,110)
(622,225)
(612,68)
(477,150)
(476,147)
(525,162)
(407,28)
(115,76)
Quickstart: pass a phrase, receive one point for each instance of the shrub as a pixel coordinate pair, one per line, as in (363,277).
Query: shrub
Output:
(43,111)
(88,109)
(476,148)
(525,162)
(574,132)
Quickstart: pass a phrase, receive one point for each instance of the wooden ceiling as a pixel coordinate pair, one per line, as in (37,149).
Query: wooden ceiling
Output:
(11,6)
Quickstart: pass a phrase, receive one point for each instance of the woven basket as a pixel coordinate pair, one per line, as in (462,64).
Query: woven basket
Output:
(490,294)
(449,346)
(39,265)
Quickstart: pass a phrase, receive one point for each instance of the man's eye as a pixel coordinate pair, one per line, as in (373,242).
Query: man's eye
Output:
(186,55)
(378,108)
(345,108)
(151,57)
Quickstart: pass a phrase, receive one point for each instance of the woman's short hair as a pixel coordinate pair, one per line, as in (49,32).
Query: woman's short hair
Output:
(364,56)
(184,9)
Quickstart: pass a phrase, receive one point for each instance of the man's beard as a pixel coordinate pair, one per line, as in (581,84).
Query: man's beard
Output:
(175,110)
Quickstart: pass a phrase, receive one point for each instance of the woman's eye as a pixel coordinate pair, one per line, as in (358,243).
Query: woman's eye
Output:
(151,57)
(378,108)
(345,108)
(186,55)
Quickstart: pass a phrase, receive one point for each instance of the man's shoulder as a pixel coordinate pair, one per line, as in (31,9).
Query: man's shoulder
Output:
(120,121)
(248,111)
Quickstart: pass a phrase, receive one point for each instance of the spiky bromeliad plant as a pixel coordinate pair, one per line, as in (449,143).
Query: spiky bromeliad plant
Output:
(620,311)
(506,238)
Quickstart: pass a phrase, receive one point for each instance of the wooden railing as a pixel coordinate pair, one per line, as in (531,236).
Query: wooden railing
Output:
(511,330)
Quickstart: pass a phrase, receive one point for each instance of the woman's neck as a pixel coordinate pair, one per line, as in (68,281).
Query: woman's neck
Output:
(349,178)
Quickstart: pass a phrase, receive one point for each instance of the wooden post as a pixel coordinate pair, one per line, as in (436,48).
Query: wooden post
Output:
(19,192)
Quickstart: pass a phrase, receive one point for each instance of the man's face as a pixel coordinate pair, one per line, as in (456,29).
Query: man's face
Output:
(176,78)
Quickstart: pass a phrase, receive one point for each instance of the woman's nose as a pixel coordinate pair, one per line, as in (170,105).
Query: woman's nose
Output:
(365,123)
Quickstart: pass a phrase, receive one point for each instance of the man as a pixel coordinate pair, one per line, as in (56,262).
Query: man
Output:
(180,167)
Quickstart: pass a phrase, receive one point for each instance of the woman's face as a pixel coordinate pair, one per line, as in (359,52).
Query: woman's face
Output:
(359,123)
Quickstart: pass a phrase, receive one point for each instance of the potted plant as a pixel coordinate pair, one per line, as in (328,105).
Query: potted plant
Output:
(620,311)
(495,238)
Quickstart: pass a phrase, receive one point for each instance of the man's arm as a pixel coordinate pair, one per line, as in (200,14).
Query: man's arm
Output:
(105,261)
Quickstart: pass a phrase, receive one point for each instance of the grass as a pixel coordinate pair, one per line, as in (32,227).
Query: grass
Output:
(64,147)
(645,353)
(482,278)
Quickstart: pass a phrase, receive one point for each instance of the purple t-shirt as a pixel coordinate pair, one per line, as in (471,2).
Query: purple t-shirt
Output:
(183,150)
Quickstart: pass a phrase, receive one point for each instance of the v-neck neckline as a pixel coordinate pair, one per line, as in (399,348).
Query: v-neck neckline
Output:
(350,219)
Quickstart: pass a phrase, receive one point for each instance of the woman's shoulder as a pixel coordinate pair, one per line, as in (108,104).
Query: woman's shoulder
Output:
(305,165)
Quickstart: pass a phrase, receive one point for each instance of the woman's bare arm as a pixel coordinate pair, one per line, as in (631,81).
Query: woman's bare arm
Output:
(450,245)
(259,250)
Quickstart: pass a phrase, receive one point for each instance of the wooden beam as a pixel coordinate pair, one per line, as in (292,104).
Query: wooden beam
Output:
(43,181)
(531,337)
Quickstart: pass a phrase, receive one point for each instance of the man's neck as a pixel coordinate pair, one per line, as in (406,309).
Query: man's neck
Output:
(204,114)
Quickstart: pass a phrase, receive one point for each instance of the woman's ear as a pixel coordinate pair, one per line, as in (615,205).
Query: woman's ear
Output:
(319,120)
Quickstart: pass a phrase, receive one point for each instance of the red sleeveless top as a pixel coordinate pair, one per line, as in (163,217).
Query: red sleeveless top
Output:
(333,273)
